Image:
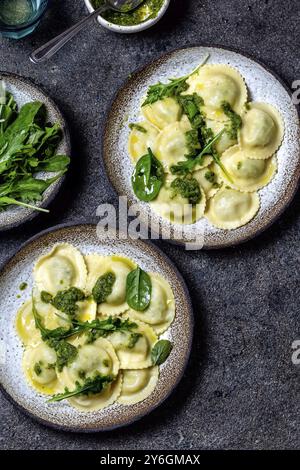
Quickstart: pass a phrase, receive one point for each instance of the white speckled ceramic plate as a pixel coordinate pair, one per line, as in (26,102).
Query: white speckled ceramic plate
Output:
(25,91)
(263,85)
(19,269)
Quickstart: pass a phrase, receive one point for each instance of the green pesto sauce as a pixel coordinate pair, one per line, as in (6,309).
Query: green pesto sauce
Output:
(23,286)
(147,10)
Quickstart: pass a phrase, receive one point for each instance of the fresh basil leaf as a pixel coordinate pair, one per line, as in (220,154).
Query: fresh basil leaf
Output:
(161,351)
(148,177)
(138,290)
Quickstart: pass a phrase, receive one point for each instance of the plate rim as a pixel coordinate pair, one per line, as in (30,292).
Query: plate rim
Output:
(67,138)
(166,55)
(180,278)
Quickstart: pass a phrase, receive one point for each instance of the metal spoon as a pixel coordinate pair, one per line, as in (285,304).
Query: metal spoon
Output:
(53,46)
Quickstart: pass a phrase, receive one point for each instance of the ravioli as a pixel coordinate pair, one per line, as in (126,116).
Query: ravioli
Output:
(139,142)
(137,356)
(138,385)
(60,269)
(218,83)
(120,267)
(87,310)
(102,400)
(225,141)
(51,317)
(209,180)
(96,358)
(25,325)
(262,131)
(230,209)
(39,367)
(246,174)
(170,146)
(162,113)
(177,209)
(161,311)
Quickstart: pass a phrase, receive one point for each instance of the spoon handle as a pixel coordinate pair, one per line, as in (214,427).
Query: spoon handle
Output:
(54,45)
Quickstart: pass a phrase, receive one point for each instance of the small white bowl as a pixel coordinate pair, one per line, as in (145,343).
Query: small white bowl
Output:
(129,29)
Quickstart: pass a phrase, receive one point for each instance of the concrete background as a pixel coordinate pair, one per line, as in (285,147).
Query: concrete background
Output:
(241,389)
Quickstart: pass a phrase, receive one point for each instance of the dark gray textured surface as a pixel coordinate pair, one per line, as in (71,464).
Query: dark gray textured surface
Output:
(241,389)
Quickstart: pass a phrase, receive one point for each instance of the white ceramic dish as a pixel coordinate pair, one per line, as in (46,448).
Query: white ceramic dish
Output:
(129,29)
(25,91)
(263,85)
(87,240)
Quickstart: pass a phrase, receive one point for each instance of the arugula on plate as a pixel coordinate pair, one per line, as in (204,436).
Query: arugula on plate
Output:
(173,88)
(28,145)
(90,386)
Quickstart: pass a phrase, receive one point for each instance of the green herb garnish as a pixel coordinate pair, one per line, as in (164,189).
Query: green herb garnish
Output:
(172,89)
(212,178)
(187,166)
(133,339)
(90,386)
(103,287)
(188,188)
(138,289)
(161,351)
(235,121)
(66,353)
(96,327)
(103,328)
(38,368)
(137,127)
(46,297)
(65,301)
(200,135)
(148,177)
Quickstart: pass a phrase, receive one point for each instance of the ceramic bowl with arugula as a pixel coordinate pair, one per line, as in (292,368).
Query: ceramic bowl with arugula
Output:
(211,152)
(34,151)
(143,17)
(99,329)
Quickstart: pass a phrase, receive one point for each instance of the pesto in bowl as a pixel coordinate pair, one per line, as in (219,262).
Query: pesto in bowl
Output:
(149,9)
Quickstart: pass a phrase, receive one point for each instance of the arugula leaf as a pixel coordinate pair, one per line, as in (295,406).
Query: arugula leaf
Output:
(161,351)
(138,289)
(8,109)
(54,163)
(185,167)
(103,328)
(8,201)
(15,136)
(137,127)
(96,327)
(91,385)
(148,177)
(27,146)
(172,89)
